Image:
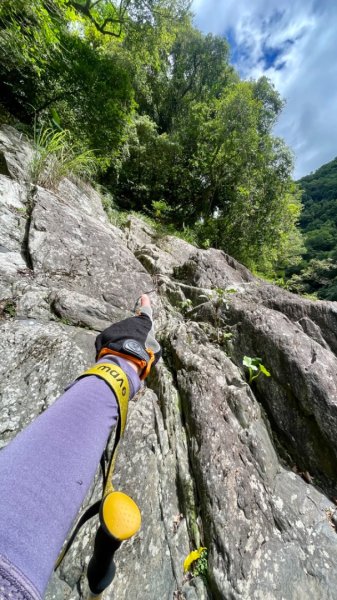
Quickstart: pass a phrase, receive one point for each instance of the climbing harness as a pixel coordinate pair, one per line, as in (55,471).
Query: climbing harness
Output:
(119,515)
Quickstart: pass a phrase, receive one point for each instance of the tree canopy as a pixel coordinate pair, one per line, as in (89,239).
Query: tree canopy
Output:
(174,130)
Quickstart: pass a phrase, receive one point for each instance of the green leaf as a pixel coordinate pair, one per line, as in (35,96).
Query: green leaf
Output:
(247,361)
(264,370)
(55,117)
(251,363)
(256,361)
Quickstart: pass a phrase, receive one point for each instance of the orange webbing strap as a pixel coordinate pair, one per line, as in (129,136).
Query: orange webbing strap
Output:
(137,361)
(142,364)
(149,364)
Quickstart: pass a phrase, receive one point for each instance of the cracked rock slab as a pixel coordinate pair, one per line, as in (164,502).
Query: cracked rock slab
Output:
(76,252)
(17,153)
(265,528)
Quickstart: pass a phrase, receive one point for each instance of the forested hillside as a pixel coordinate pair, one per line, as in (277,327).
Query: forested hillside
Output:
(131,95)
(317,272)
(320,185)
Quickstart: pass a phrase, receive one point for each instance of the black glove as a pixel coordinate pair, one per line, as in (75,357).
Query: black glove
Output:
(133,339)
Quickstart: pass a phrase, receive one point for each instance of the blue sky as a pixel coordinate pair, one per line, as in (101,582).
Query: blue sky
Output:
(294,43)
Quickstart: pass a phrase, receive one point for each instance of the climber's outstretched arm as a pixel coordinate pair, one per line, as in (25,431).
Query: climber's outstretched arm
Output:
(46,471)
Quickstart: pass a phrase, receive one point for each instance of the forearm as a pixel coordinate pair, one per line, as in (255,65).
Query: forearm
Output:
(46,472)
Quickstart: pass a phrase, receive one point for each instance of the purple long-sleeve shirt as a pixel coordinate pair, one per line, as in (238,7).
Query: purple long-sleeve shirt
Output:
(45,474)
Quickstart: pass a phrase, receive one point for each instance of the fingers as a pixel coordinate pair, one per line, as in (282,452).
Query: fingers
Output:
(145,301)
(145,307)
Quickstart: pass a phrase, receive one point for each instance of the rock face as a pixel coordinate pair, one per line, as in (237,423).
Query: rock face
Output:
(248,471)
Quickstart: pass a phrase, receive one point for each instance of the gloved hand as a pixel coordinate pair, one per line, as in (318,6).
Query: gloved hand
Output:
(132,339)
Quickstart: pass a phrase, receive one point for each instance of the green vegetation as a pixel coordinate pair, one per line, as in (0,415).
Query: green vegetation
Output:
(130,91)
(320,185)
(56,157)
(65,321)
(255,367)
(196,562)
(317,272)
(9,308)
(186,305)
(201,565)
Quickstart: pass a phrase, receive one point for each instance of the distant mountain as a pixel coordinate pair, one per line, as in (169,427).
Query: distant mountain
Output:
(322,184)
(317,273)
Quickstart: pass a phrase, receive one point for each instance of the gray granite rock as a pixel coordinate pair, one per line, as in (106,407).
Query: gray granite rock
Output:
(84,311)
(13,213)
(81,197)
(31,379)
(16,153)
(32,301)
(81,254)
(264,526)
(301,394)
(247,471)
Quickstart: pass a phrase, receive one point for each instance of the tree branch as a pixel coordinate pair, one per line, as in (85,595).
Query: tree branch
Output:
(55,99)
(85,9)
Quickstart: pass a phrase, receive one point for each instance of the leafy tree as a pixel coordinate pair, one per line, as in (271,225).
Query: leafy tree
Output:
(271,103)
(29,37)
(174,130)
(317,277)
(92,92)
(221,176)
(109,18)
(29,32)
(89,89)
(196,71)
(146,162)
(113,18)
(240,181)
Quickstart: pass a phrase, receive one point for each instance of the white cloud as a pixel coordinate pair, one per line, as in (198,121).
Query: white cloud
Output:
(304,72)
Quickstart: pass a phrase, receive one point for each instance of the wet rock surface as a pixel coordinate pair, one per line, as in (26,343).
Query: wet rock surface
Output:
(249,471)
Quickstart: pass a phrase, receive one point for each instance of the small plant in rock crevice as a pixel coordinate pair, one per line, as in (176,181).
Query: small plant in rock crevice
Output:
(56,156)
(255,367)
(201,566)
(22,210)
(7,308)
(220,301)
(186,305)
(65,321)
